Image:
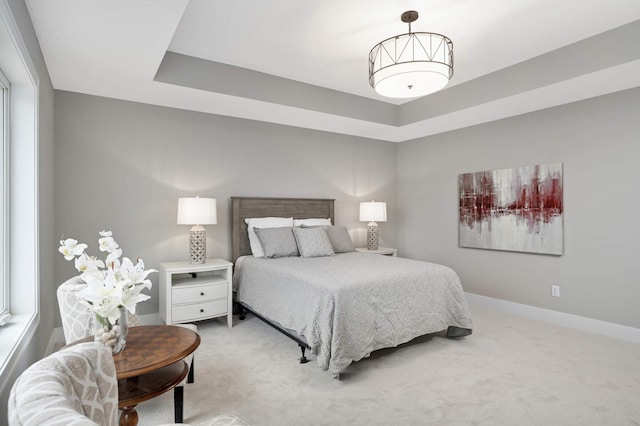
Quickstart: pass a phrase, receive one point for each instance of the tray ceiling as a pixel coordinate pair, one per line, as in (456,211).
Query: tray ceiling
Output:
(304,63)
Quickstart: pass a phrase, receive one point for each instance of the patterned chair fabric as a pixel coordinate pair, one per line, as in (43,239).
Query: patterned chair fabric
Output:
(76,324)
(76,385)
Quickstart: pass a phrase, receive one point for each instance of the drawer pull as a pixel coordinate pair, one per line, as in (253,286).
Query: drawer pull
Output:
(201,310)
(202,293)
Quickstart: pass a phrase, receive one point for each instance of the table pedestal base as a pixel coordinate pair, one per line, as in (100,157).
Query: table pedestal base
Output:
(128,416)
(138,389)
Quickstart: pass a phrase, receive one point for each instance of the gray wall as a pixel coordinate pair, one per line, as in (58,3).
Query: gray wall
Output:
(36,347)
(597,140)
(122,166)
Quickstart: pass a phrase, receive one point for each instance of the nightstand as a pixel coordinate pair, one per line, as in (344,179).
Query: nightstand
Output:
(194,292)
(385,251)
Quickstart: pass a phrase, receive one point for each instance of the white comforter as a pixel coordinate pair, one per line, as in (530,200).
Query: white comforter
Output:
(347,306)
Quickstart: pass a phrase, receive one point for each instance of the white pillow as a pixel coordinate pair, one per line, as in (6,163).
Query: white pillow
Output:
(263,222)
(312,222)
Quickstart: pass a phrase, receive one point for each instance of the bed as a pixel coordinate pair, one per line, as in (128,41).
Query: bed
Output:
(342,307)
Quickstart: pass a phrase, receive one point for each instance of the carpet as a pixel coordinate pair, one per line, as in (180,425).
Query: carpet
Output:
(511,371)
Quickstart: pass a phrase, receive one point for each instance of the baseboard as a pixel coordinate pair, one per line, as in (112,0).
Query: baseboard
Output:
(609,329)
(56,341)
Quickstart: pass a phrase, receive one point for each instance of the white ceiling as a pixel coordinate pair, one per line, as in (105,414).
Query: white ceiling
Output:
(115,48)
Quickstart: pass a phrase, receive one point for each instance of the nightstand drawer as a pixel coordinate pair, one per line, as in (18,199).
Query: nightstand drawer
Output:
(197,311)
(199,293)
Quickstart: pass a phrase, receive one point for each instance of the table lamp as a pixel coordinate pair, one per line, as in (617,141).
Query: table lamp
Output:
(373,212)
(197,212)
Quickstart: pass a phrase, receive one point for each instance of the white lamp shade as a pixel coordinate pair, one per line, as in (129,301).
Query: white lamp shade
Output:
(373,211)
(197,211)
(411,80)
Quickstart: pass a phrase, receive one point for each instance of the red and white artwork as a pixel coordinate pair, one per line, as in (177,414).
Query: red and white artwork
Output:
(518,209)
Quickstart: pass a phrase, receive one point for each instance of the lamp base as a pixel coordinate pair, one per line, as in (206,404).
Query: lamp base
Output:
(197,244)
(372,236)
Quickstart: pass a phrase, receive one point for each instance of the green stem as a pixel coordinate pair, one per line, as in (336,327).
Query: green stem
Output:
(104,321)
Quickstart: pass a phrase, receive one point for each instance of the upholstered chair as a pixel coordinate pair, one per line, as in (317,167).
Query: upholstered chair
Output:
(76,324)
(76,385)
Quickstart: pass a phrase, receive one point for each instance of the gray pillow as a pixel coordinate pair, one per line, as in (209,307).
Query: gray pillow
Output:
(340,239)
(313,242)
(277,242)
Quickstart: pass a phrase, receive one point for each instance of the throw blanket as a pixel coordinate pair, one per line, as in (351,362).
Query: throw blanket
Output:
(349,305)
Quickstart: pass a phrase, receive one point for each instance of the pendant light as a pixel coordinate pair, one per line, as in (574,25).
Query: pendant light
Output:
(412,64)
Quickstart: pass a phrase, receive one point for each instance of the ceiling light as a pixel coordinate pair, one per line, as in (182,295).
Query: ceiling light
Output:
(411,65)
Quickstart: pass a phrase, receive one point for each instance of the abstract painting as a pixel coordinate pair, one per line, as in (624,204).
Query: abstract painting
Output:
(518,209)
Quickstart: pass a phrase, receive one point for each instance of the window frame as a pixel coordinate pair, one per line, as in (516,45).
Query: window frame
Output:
(5,290)
(18,344)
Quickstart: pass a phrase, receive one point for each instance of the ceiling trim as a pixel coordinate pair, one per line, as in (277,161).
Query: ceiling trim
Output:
(592,67)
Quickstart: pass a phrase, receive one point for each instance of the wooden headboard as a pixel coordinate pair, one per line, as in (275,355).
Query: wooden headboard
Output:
(245,207)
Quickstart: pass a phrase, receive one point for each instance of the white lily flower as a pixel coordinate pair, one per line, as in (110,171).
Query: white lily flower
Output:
(100,285)
(112,260)
(93,276)
(84,263)
(104,292)
(135,273)
(109,308)
(112,284)
(107,243)
(132,296)
(70,248)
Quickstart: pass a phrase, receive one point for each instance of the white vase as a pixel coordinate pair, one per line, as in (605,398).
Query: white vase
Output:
(113,336)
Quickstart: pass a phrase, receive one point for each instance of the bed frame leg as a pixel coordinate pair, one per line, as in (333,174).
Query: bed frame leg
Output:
(303,346)
(303,359)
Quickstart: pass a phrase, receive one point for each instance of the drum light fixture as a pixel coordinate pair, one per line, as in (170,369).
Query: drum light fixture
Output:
(412,64)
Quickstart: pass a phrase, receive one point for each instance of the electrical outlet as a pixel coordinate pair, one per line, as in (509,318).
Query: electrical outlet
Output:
(555,290)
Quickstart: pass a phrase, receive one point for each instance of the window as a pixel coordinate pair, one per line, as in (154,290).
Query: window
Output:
(4,139)
(19,199)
